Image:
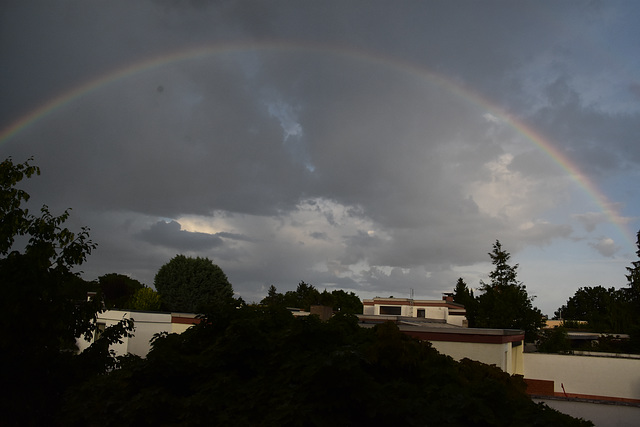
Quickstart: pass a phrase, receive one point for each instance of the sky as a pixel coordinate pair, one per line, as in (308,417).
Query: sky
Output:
(380,147)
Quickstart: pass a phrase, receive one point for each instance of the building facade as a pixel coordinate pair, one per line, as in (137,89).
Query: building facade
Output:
(146,323)
(446,310)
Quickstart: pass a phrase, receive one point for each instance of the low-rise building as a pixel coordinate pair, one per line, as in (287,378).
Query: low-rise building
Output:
(146,324)
(451,312)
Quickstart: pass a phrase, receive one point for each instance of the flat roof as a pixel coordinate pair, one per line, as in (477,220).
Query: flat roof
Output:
(438,330)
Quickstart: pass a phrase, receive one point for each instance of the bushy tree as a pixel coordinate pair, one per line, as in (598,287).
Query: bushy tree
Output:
(118,290)
(44,306)
(505,302)
(609,309)
(145,299)
(307,295)
(303,297)
(346,302)
(259,365)
(192,285)
(273,298)
(554,341)
(593,304)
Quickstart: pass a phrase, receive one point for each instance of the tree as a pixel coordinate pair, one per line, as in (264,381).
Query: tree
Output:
(554,341)
(633,297)
(307,295)
(609,309)
(118,290)
(594,304)
(44,306)
(504,302)
(302,371)
(145,299)
(463,295)
(303,297)
(346,302)
(633,278)
(192,285)
(273,298)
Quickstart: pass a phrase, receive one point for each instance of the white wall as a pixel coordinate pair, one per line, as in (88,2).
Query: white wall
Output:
(605,415)
(369,310)
(504,356)
(146,325)
(500,355)
(599,376)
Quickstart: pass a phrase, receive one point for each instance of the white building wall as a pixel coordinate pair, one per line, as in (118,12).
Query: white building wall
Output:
(499,355)
(436,312)
(598,376)
(146,325)
(601,415)
(457,320)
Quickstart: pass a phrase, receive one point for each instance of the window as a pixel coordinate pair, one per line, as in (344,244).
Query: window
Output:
(100,327)
(390,310)
(421,312)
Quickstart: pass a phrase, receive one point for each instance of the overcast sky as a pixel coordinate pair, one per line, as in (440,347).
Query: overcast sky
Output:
(376,147)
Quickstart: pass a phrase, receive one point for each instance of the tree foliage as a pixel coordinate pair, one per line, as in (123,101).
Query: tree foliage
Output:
(554,341)
(593,304)
(44,306)
(307,295)
(118,290)
(505,302)
(633,278)
(145,299)
(192,285)
(258,365)
(463,295)
(609,310)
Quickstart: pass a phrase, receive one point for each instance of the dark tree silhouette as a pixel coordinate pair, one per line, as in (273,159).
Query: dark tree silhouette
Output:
(192,285)
(504,302)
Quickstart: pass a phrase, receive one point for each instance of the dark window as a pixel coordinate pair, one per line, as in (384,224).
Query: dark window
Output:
(99,330)
(421,312)
(392,311)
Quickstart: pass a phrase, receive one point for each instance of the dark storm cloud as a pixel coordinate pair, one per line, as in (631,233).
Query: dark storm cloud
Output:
(596,141)
(170,234)
(352,146)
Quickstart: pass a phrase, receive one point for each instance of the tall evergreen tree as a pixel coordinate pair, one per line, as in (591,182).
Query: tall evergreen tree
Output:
(633,297)
(505,302)
(633,278)
(463,295)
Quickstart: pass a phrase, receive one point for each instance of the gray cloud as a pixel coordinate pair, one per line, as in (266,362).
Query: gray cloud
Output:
(605,246)
(364,145)
(171,235)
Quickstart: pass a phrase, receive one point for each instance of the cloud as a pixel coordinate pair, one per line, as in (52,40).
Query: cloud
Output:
(606,247)
(356,144)
(591,219)
(170,234)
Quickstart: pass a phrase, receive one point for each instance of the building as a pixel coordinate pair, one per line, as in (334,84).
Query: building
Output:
(444,324)
(450,312)
(503,348)
(146,323)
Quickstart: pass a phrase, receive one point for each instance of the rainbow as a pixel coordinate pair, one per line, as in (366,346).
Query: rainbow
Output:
(50,107)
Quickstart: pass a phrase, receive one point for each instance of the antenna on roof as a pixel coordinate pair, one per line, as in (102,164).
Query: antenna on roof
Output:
(411,303)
